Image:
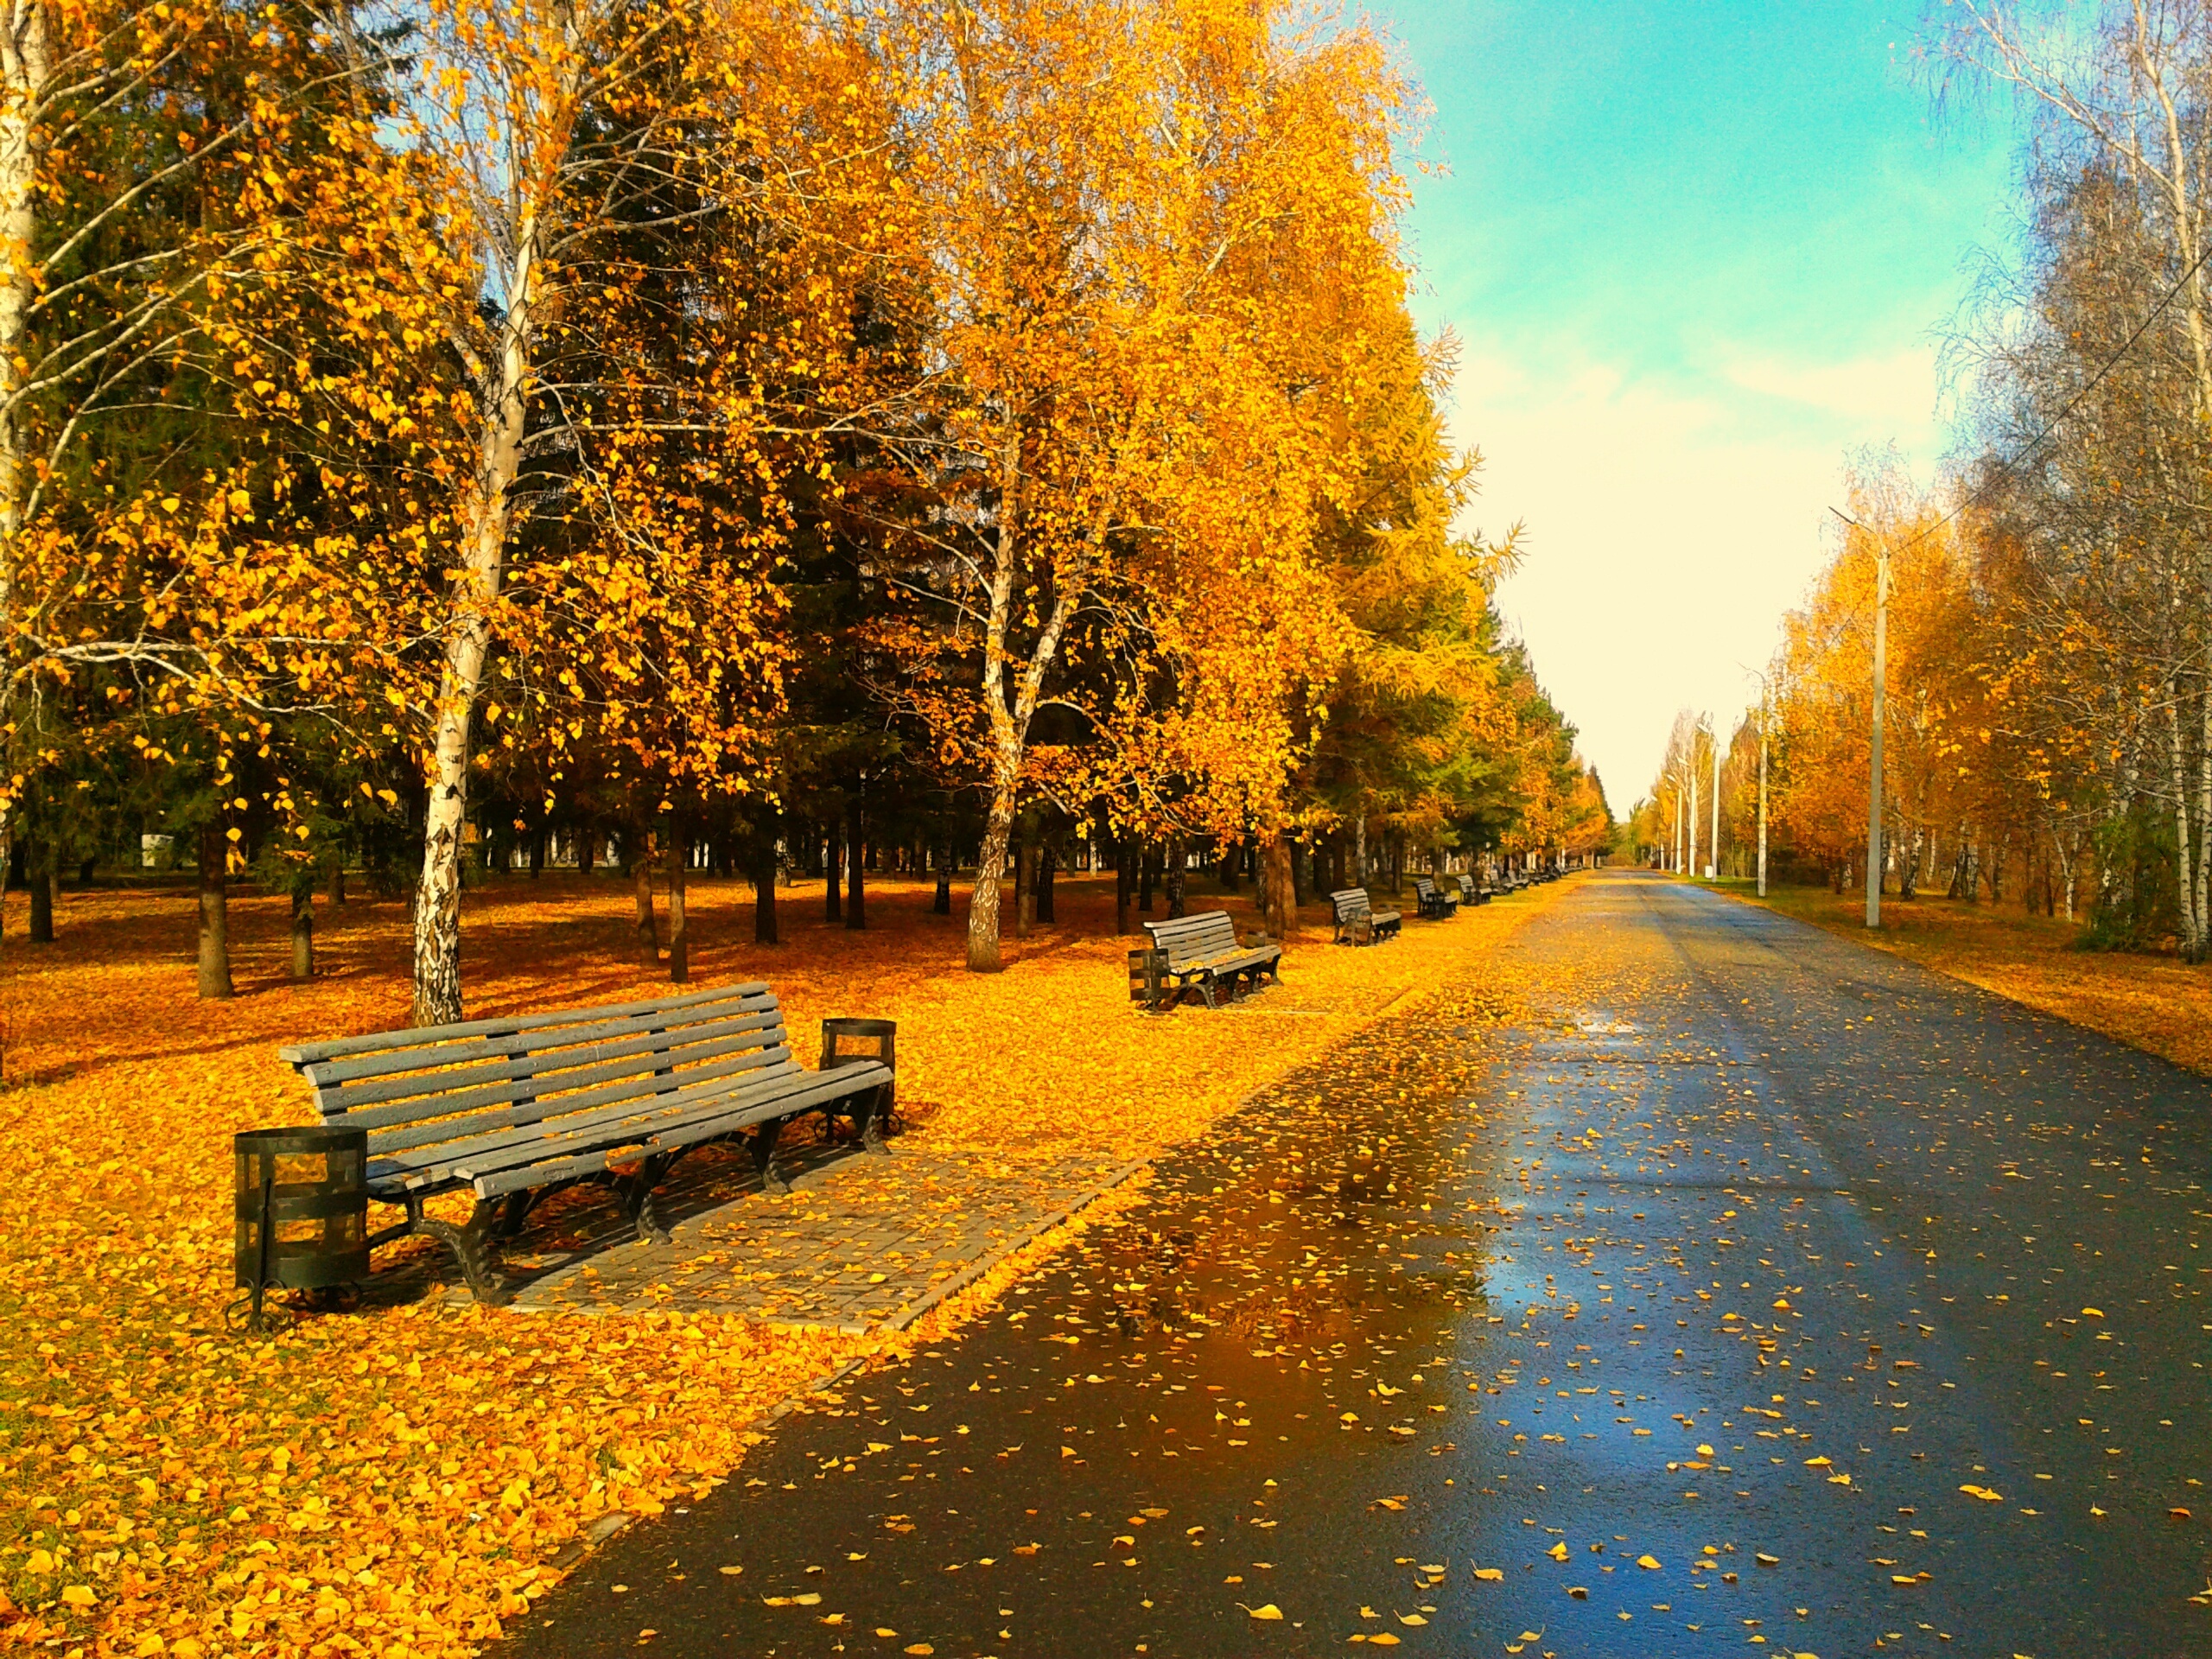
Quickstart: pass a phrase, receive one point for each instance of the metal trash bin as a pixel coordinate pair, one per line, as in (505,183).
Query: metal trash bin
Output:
(838,1040)
(302,1220)
(1147,974)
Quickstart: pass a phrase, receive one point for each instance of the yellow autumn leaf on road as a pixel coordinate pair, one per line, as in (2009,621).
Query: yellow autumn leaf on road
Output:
(1490,1575)
(1266,1609)
(1648,1562)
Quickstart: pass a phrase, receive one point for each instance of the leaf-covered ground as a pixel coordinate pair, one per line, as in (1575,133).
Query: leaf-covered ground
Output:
(2154,1002)
(394,1481)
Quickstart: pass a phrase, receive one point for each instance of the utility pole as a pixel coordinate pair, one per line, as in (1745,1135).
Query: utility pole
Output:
(1713,864)
(1874,763)
(1762,704)
(1690,767)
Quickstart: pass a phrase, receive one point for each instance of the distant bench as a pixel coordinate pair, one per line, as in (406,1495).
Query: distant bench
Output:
(1435,904)
(514,1109)
(1471,895)
(1201,953)
(1358,922)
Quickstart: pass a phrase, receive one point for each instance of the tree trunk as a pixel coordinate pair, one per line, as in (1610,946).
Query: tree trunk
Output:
(1178,860)
(29,69)
(1025,887)
(641,882)
(485,513)
(1144,877)
(1047,866)
(833,870)
(337,894)
(214,919)
(990,866)
(679,867)
(856,866)
(942,905)
(1278,900)
(764,888)
(303,928)
(40,885)
(1123,881)
(537,854)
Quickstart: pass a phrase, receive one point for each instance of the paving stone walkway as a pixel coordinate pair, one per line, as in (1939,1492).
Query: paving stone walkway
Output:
(858,1243)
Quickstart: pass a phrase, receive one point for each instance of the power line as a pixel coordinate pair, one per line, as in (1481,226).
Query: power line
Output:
(2005,468)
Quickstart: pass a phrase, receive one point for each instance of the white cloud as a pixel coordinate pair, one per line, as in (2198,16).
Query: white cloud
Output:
(1669,528)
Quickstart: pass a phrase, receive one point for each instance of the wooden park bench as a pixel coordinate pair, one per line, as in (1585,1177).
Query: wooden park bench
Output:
(1471,895)
(514,1109)
(1358,922)
(1200,953)
(1435,904)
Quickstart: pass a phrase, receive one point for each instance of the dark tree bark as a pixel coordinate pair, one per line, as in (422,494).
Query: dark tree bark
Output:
(1177,858)
(1144,878)
(641,880)
(214,918)
(943,904)
(337,883)
(833,867)
(1025,887)
(1047,866)
(764,888)
(855,867)
(1225,865)
(1123,885)
(587,838)
(303,928)
(1278,892)
(85,869)
(39,882)
(679,866)
(537,854)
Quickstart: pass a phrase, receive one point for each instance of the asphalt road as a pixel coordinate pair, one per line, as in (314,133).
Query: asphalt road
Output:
(1744,1290)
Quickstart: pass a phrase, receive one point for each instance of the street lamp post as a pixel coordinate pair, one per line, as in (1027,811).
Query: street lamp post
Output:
(1874,758)
(1763,706)
(1713,862)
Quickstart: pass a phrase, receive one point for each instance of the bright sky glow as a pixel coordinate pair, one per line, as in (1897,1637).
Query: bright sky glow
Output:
(1694,254)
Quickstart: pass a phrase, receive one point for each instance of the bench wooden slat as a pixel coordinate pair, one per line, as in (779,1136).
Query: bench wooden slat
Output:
(426,1092)
(635,1118)
(810,1090)
(299,1054)
(416,1056)
(390,1144)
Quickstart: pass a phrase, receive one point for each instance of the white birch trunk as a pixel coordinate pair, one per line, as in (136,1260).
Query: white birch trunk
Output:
(437,902)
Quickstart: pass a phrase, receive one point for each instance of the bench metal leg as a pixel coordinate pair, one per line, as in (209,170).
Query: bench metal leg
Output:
(512,1209)
(872,1117)
(763,1148)
(637,1192)
(471,1247)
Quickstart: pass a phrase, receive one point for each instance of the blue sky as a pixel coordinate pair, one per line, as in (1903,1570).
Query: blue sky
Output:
(1694,253)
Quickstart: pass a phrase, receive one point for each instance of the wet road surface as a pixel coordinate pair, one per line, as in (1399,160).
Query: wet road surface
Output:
(1740,1289)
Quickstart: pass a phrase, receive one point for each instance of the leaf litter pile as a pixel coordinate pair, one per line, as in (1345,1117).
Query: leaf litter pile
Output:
(394,1480)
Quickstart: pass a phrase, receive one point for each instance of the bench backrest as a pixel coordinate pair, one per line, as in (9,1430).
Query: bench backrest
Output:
(1195,938)
(1351,904)
(1467,885)
(412,1090)
(1424,887)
